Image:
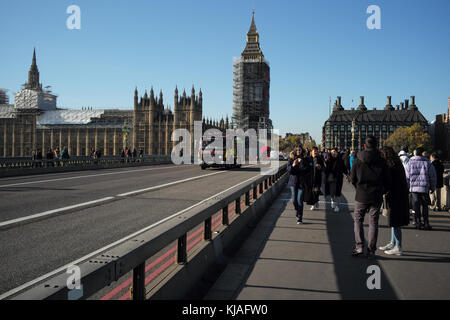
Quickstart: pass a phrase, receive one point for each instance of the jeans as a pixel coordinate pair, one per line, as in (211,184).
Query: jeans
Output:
(436,199)
(396,236)
(358,218)
(297,199)
(420,207)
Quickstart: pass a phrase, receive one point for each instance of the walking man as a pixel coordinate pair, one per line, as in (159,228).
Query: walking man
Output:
(370,177)
(436,195)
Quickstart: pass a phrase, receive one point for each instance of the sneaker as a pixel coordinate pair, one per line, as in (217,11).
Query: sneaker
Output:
(427,227)
(394,251)
(317,205)
(336,209)
(313,208)
(421,226)
(332,204)
(389,246)
(299,222)
(357,251)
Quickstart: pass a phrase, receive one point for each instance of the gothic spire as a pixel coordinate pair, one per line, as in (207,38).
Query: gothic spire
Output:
(33,75)
(252,49)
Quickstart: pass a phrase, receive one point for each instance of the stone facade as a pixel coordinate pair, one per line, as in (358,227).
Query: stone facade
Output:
(442,133)
(337,130)
(35,123)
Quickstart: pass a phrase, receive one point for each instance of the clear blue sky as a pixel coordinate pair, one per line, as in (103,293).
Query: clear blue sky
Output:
(316,49)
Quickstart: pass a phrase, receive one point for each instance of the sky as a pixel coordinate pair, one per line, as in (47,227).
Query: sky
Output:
(317,49)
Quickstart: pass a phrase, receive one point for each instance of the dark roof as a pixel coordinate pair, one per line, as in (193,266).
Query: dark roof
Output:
(377,116)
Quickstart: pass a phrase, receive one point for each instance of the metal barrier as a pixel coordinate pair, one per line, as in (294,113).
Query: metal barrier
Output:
(131,255)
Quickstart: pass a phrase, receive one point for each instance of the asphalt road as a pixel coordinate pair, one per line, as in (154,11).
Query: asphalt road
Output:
(36,247)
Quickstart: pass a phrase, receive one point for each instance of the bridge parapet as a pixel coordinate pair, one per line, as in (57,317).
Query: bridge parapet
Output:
(101,270)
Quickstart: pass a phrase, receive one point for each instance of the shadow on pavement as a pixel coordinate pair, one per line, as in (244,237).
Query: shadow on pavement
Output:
(351,273)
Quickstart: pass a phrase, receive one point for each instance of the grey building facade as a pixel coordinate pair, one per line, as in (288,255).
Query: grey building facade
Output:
(348,129)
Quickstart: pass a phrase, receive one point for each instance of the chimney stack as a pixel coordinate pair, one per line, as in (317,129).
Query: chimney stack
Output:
(361,100)
(406,104)
(397,107)
(413,101)
(389,99)
(402,106)
(339,101)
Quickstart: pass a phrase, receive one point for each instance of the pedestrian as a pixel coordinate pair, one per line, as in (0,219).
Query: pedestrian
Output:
(49,157)
(436,195)
(334,173)
(371,178)
(39,157)
(316,176)
(404,155)
(352,158)
(297,168)
(421,178)
(397,200)
(346,160)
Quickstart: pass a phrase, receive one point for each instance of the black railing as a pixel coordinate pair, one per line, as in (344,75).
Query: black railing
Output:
(25,163)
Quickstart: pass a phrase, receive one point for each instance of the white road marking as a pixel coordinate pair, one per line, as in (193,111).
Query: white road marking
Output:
(167,184)
(85,176)
(98,201)
(46,213)
(86,257)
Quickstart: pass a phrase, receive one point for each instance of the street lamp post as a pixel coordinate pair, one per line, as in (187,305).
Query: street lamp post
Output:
(353,133)
(125,132)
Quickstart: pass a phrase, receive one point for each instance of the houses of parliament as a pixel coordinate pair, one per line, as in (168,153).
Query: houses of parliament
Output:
(34,122)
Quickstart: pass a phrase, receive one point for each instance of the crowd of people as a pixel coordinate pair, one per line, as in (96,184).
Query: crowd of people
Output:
(54,157)
(397,185)
(129,155)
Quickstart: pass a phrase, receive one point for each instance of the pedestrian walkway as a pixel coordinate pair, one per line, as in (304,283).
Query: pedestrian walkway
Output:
(283,260)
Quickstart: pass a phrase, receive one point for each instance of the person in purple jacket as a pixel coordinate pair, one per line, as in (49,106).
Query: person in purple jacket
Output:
(421,178)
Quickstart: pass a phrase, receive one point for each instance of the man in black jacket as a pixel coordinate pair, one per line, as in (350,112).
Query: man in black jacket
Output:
(370,177)
(436,195)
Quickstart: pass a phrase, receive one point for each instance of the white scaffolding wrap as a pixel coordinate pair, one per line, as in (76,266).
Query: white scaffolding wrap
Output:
(32,99)
(238,86)
(72,117)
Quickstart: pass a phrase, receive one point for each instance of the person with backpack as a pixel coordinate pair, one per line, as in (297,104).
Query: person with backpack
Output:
(370,176)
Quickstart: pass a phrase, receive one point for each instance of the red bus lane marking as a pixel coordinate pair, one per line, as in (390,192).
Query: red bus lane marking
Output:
(162,268)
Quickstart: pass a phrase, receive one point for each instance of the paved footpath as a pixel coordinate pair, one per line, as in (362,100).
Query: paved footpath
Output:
(283,260)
